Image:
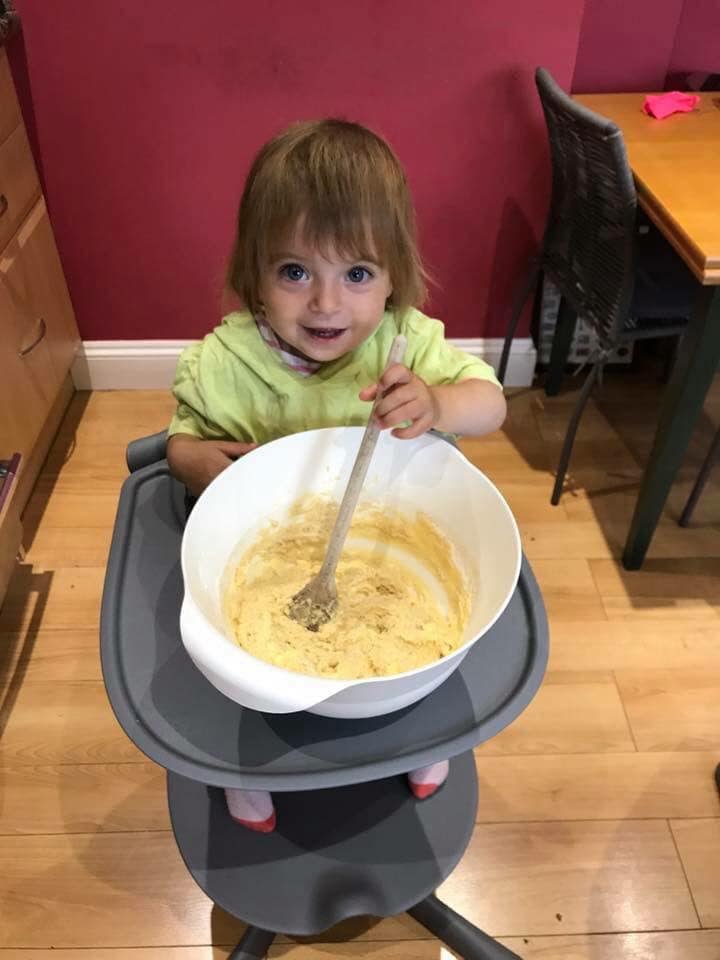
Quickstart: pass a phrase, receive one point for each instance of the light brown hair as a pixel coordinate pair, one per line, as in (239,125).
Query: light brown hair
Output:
(345,187)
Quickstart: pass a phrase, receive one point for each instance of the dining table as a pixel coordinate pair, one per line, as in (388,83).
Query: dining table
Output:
(676,166)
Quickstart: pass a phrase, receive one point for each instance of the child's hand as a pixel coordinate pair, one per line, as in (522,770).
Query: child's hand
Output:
(404,397)
(197,462)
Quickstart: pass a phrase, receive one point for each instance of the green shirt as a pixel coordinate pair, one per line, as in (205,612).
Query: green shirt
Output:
(232,385)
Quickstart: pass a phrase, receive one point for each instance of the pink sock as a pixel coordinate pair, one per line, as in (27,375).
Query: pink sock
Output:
(425,781)
(252,808)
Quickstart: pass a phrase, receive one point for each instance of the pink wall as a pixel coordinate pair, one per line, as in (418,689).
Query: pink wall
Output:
(697,44)
(626,45)
(146,117)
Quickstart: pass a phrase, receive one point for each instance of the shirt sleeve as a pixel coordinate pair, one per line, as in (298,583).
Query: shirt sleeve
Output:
(435,360)
(191,414)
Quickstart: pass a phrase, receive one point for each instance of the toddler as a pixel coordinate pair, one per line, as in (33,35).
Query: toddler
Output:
(327,269)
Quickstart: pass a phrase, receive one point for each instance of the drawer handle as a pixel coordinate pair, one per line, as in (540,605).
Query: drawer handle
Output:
(3,204)
(36,341)
(8,472)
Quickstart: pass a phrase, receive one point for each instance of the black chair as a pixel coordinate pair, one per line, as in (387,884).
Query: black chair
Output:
(702,479)
(626,282)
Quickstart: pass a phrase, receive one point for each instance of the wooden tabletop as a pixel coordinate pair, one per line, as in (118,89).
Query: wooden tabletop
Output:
(676,163)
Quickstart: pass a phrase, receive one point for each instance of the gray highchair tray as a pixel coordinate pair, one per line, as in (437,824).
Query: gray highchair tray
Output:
(176,717)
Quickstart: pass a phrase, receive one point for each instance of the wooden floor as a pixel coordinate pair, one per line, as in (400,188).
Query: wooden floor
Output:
(598,830)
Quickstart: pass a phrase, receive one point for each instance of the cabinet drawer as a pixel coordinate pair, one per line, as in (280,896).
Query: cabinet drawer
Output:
(9,107)
(38,334)
(28,381)
(43,290)
(19,185)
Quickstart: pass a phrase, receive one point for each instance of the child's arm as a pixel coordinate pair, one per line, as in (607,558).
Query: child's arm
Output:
(197,462)
(471,407)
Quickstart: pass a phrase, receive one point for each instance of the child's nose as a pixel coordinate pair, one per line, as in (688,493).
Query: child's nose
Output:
(325,297)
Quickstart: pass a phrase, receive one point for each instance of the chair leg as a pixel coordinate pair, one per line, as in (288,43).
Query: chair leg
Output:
(461,936)
(530,283)
(702,478)
(572,430)
(254,945)
(560,351)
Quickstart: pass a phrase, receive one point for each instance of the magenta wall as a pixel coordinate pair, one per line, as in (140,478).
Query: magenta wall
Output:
(145,118)
(626,45)
(697,43)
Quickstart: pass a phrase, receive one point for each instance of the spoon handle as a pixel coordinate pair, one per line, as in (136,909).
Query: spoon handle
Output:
(357,477)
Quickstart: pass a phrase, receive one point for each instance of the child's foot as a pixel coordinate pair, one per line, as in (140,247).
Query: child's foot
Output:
(252,808)
(427,780)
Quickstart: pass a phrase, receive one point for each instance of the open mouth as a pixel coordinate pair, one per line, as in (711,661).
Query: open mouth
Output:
(325,333)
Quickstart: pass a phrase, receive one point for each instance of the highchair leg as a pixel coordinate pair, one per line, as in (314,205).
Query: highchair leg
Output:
(254,945)
(458,933)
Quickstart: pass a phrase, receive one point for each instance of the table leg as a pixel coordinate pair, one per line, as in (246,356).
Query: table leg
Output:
(684,397)
(702,478)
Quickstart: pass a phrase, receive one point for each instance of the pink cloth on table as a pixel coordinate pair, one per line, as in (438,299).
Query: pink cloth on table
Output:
(661,105)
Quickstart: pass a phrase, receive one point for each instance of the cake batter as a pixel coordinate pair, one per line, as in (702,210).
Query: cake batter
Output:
(389,620)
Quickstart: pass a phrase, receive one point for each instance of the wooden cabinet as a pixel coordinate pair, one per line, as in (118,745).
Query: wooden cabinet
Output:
(10,536)
(10,117)
(19,185)
(38,333)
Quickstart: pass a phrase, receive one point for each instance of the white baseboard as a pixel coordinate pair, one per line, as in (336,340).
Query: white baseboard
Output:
(127,364)
(150,364)
(521,362)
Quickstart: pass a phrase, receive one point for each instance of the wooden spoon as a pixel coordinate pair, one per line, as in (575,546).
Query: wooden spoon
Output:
(316,603)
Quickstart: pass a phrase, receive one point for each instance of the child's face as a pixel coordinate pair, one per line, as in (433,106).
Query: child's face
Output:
(323,306)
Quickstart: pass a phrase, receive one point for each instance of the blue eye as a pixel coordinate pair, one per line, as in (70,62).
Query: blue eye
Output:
(294,272)
(358,274)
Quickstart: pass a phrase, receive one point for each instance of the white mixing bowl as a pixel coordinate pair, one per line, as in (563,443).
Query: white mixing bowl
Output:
(425,475)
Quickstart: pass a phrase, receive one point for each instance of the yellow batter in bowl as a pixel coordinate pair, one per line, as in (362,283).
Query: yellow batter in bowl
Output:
(391,618)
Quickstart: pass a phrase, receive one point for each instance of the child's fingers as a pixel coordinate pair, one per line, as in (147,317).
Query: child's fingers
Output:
(369,393)
(233,449)
(414,430)
(412,410)
(389,382)
(397,397)
(394,376)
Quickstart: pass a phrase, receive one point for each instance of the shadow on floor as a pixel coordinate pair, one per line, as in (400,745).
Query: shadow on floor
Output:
(612,446)
(60,452)
(17,641)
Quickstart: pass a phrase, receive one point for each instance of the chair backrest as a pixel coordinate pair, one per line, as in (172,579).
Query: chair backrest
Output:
(589,243)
